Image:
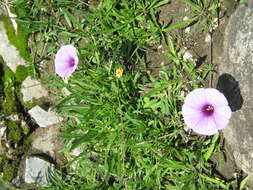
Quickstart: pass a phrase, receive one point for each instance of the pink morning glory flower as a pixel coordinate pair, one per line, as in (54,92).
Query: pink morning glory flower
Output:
(206,111)
(66,61)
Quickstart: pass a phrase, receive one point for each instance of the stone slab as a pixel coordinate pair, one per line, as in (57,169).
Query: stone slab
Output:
(9,52)
(36,171)
(32,89)
(47,141)
(44,118)
(237,62)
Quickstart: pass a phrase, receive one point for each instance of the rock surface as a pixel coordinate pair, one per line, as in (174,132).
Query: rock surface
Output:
(2,129)
(237,61)
(3,10)
(187,56)
(32,89)
(42,117)
(8,51)
(2,134)
(36,170)
(47,141)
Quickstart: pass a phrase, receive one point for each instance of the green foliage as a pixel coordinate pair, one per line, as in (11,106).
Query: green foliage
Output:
(242,1)
(243,182)
(130,130)
(21,73)
(14,131)
(113,30)
(204,13)
(26,129)
(2,161)
(1,82)
(9,170)
(10,86)
(121,29)
(6,185)
(9,102)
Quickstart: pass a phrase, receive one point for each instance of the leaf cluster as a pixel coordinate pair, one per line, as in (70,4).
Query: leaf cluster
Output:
(129,131)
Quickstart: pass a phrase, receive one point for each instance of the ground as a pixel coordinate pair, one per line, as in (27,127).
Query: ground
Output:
(206,52)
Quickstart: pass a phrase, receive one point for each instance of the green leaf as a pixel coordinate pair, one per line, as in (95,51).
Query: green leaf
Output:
(243,182)
(214,180)
(66,16)
(172,187)
(85,138)
(211,148)
(156,90)
(68,34)
(178,24)
(193,5)
(157,4)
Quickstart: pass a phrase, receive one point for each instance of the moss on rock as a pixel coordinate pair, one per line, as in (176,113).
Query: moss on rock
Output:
(9,106)
(9,103)
(20,39)
(14,131)
(2,161)
(34,102)
(21,73)
(11,86)
(27,145)
(1,81)
(26,129)
(9,170)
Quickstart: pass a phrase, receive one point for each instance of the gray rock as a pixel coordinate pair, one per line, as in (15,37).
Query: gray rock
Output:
(2,137)
(32,89)
(9,52)
(3,10)
(238,62)
(44,118)
(187,56)
(36,171)
(47,141)
(13,117)
(2,129)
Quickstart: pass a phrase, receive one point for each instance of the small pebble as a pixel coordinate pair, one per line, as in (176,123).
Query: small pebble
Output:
(187,56)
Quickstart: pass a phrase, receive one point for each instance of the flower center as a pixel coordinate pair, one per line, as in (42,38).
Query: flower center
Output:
(208,110)
(71,61)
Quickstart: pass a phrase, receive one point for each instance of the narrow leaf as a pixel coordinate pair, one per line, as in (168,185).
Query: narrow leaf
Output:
(243,182)
(85,138)
(178,24)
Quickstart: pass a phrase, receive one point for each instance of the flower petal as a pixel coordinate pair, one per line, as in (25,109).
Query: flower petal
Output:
(195,117)
(192,120)
(222,116)
(215,97)
(196,98)
(63,58)
(206,126)
(224,111)
(188,110)
(66,52)
(71,50)
(66,73)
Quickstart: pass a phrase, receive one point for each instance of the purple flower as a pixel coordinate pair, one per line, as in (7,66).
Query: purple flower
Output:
(66,61)
(206,111)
